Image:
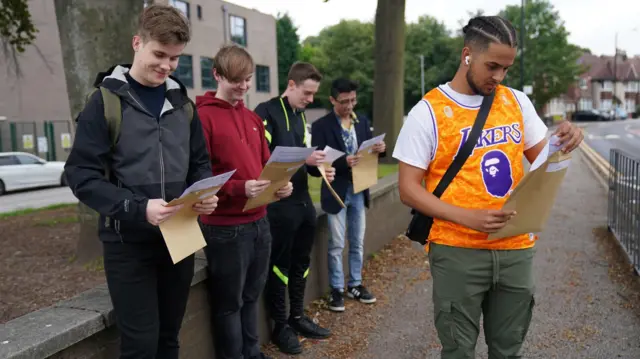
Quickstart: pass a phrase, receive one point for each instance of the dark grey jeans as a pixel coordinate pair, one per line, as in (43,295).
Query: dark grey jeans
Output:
(238,259)
(149,295)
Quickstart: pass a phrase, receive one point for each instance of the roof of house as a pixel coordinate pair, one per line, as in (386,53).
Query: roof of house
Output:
(602,67)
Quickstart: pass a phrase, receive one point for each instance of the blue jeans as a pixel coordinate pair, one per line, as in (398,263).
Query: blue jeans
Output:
(349,221)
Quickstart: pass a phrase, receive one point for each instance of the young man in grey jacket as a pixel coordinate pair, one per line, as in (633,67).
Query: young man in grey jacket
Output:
(128,173)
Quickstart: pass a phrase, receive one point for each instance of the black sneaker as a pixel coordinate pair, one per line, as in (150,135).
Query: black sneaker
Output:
(336,302)
(287,341)
(361,294)
(307,328)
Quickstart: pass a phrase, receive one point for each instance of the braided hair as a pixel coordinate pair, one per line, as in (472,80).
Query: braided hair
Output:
(483,30)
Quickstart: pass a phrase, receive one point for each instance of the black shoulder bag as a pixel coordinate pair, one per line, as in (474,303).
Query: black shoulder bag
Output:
(420,225)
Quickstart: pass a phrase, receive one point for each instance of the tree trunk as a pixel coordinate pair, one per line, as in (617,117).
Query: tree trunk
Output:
(94,35)
(388,90)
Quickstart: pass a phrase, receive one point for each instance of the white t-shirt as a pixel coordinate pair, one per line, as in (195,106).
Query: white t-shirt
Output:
(418,139)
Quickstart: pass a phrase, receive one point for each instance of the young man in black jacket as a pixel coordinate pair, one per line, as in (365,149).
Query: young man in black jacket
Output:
(129,174)
(292,220)
(343,130)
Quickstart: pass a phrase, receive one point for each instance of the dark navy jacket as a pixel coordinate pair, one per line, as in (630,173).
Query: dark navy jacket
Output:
(327,131)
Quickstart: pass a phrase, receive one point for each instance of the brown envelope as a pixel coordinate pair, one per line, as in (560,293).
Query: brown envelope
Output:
(365,173)
(533,198)
(321,168)
(181,232)
(279,173)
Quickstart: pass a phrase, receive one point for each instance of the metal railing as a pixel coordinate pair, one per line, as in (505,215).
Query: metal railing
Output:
(623,217)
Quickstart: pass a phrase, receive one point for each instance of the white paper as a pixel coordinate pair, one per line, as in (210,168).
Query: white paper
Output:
(558,166)
(331,155)
(215,181)
(369,143)
(550,148)
(290,154)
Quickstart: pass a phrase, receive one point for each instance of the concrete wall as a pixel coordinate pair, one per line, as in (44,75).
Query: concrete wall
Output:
(83,327)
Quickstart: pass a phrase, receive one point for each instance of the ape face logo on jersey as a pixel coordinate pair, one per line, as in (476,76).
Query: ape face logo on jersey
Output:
(496,173)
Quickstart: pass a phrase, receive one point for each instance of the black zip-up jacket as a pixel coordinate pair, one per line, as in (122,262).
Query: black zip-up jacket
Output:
(285,126)
(153,157)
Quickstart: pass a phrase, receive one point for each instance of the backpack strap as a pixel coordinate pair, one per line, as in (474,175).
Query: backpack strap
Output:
(189,108)
(112,113)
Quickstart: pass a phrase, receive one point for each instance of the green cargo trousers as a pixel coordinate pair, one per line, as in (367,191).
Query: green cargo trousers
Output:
(495,283)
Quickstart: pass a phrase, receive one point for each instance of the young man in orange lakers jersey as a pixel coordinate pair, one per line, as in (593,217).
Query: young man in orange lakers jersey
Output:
(471,274)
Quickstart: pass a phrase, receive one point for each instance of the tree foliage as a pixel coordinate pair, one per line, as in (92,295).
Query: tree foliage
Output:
(288,47)
(550,61)
(430,38)
(16,28)
(344,50)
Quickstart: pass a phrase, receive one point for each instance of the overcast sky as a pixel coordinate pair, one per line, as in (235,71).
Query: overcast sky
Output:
(584,19)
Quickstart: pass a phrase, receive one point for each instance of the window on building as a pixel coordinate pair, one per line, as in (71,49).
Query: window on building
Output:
(630,105)
(585,104)
(606,104)
(182,6)
(607,86)
(583,83)
(631,86)
(263,83)
(238,30)
(199,12)
(184,72)
(206,73)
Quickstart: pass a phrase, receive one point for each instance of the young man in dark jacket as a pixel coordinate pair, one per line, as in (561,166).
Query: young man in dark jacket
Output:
(238,242)
(343,130)
(160,150)
(293,221)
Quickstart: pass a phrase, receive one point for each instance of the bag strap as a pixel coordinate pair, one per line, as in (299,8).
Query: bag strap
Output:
(112,113)
(467,147)
(189,106)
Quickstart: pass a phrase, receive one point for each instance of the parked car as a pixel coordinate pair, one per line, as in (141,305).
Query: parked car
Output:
(21,170)
(589,115)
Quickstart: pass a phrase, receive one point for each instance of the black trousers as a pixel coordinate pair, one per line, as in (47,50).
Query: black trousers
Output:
(293,227)
(149,295)
(238,257)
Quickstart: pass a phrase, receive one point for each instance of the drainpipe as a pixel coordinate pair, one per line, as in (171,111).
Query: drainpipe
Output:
(224,23)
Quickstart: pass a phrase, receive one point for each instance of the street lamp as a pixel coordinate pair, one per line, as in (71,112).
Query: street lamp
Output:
(421,74)
(615,72)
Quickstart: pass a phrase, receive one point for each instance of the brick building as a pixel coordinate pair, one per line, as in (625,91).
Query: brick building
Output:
(36,105)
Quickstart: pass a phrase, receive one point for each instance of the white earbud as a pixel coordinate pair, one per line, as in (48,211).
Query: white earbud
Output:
(466,60)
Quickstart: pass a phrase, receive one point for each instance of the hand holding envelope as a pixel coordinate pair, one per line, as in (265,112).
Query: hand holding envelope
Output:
(328,172)
(365,170)
(180,229)
(282,164)
(534,196)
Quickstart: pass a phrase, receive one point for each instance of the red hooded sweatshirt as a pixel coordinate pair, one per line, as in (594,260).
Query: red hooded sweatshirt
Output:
(235,140)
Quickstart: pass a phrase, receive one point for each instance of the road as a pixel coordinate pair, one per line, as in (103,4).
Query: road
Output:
(36,199)
(603,136)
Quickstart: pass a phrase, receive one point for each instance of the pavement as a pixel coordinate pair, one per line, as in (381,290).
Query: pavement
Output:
(603,136)
(582,310)
(36,198)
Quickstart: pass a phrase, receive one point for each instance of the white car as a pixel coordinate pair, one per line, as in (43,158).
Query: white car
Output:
(21,170)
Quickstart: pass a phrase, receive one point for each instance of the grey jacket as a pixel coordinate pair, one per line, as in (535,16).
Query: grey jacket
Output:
(152,158)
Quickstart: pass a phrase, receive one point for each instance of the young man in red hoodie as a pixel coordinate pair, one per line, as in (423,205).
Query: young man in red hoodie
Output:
(238,242)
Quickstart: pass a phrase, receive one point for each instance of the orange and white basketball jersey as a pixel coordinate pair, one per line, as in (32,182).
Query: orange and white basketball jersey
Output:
(490,173)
